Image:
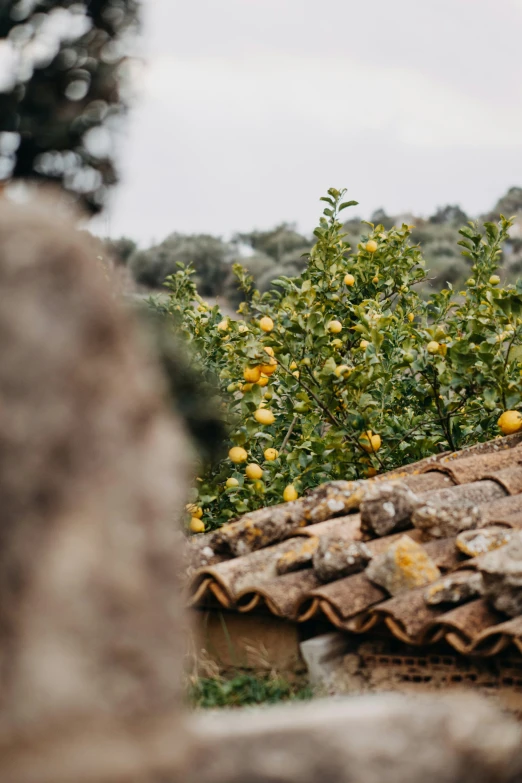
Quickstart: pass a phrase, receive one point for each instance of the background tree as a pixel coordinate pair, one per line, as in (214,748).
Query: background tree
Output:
(61,93)
(451,215)
(120,249)
(509,204)
(278,242)
(208,255)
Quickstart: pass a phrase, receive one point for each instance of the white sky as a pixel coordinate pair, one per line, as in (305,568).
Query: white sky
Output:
(250,109)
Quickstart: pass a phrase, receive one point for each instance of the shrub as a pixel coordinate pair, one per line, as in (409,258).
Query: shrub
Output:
(357,353)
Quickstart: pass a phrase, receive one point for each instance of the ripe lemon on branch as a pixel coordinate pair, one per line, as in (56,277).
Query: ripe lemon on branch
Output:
(264,416)
(510,422)
(290,493)
(196,525)
(370,442)
(253,471)
(252,374)
(266,323)
(335,326)
(237,454)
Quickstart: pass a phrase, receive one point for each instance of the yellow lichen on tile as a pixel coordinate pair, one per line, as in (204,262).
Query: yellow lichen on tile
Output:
(416,567)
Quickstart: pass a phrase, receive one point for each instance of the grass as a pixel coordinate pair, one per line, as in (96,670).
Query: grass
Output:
(243,690)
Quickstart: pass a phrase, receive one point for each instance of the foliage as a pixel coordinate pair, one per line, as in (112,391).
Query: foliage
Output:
(510,204)
(61,95)
(424,374)
(120,250)
(281,252)
(195,398)
(245,690)
(206,253)
(276,243)
(451,215)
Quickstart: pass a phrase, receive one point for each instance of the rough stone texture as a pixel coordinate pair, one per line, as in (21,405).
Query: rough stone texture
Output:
(387,508)
(334,499)
(478,492)
(403,566)
(258,529)
(372,739)
(445,518)
(335,557)
(477,542)
(93,472)
(299,557)
(501,571)
(455,588)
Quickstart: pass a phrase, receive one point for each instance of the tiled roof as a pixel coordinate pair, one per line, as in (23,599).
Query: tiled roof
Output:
(264,560)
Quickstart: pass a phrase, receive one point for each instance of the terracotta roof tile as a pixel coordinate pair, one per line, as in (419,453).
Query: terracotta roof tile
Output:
(256,580)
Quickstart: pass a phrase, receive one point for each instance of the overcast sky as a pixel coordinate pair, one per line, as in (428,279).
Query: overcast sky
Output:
(250,109)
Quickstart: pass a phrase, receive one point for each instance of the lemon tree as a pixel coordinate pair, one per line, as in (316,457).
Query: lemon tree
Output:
(346,371)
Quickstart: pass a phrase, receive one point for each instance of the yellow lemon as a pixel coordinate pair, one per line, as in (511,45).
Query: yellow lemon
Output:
(336,343)
(253,471)
(494,280)
(371,246)
(237,454)
(433,347)
(264,416)
(262,381)
(375,279)
(268,369)
(231,482)
(223,325)
(296,374)
(266,323)
(349,279)
(341,370)
(335,326)
(194,511)
(293,366)
(509,422)
(271,454)
(371,472)
(364,344)
(411,317)
(196,525)
(370,442)
(252,374)
(246,387)
(290,493)
(269,350)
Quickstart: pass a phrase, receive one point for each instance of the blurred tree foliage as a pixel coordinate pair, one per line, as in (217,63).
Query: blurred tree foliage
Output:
(121,249)
(207,254)
(60,91)
(267,255)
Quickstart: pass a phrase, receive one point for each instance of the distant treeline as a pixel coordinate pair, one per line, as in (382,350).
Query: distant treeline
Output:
(281,250)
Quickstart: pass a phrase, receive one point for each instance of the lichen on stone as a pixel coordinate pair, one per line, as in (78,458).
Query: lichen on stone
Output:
(404,566)
(443,518)
(477,542)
